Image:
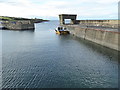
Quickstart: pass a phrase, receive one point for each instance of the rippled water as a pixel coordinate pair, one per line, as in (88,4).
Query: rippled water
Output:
(42,59)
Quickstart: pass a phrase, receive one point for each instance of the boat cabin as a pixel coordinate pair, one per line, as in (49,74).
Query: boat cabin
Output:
(60,28)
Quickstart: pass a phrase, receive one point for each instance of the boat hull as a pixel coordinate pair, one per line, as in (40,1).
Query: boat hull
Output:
(62,32)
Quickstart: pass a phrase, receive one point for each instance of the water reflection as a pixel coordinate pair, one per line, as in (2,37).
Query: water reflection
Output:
(110,53)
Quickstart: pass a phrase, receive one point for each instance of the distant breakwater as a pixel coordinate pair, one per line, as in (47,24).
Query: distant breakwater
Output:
(17,23)
(20,24)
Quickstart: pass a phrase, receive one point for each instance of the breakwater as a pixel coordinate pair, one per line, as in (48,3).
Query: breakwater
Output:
(99,34)
(101,23)
(18,25)
(102,37)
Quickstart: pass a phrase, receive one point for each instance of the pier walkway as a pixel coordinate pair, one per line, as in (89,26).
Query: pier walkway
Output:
(96,27)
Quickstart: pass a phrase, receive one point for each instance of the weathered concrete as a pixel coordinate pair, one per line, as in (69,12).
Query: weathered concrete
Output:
(62,18)
(102,23)
(106,38)
(19,25)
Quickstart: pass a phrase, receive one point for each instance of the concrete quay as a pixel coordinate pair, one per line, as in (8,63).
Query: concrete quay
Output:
(92,30)
(103,37)
(18,25)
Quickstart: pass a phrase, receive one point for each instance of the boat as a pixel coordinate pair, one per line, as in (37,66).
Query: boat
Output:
(61,30)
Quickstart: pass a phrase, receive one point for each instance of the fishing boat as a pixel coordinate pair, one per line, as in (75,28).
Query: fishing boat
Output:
(61,30)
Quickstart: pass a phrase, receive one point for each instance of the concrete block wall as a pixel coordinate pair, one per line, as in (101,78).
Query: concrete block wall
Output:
(27,26)
(19,25)
(106,38)
(99,21)
(103,23)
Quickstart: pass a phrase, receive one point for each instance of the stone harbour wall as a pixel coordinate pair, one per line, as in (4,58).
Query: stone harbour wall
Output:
(102,23)
(106,38)
(19,25)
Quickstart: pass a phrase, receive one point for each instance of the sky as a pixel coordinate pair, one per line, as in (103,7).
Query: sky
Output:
(50,9)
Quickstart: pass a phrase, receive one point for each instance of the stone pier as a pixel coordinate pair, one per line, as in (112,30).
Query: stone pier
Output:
(18,25)
(97,31)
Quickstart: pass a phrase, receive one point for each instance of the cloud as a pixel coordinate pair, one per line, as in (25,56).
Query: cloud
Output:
(51,8)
